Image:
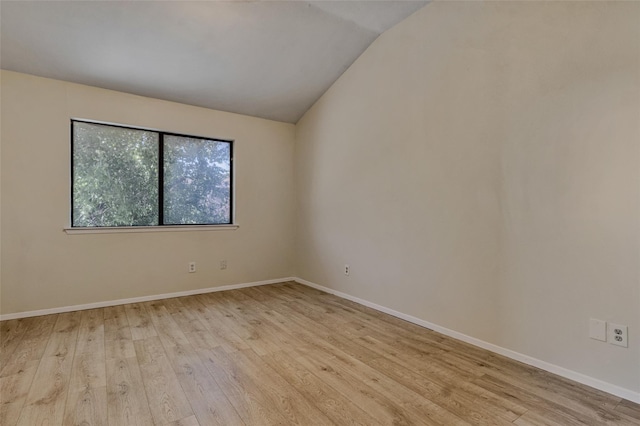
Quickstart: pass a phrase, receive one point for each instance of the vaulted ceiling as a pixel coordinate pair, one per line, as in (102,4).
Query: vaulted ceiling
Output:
(270,59)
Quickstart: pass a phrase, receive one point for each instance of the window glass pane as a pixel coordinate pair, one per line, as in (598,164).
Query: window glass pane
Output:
(197,181)
(115,176)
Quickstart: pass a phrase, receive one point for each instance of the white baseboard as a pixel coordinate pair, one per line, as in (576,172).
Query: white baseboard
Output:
(72,308)
(552,368)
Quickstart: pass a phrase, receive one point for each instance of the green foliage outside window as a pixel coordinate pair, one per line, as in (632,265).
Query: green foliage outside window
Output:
(116,178)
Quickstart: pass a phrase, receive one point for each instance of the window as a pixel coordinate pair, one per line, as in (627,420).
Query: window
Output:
(124,177)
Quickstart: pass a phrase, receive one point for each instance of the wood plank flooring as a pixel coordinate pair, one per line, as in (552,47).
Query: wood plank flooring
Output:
(281,354)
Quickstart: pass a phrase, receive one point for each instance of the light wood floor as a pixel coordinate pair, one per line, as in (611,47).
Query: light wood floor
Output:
(281,354)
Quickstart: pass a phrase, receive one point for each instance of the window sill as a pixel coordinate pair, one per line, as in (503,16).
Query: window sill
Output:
(144,229)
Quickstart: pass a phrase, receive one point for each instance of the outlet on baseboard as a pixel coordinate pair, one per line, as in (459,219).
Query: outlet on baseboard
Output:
(618,335)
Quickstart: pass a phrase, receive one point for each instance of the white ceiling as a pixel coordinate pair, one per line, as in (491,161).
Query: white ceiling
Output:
(270,59)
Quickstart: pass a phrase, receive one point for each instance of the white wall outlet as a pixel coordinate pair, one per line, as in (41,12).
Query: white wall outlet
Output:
(346,269)
(618,335)
(192,267)
(223,264)
(598,329)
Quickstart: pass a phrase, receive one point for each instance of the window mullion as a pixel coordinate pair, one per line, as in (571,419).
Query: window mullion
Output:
(161,179)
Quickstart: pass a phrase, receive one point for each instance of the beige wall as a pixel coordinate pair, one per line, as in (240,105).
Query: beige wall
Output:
(42,267)
(478,168)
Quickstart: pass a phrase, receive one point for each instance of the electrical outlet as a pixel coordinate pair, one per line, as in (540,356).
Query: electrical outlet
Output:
(598,329)
(192,267)
(346,269)
(618,335)
(223,264)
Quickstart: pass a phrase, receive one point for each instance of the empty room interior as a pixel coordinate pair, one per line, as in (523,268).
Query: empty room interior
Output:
(320,213)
